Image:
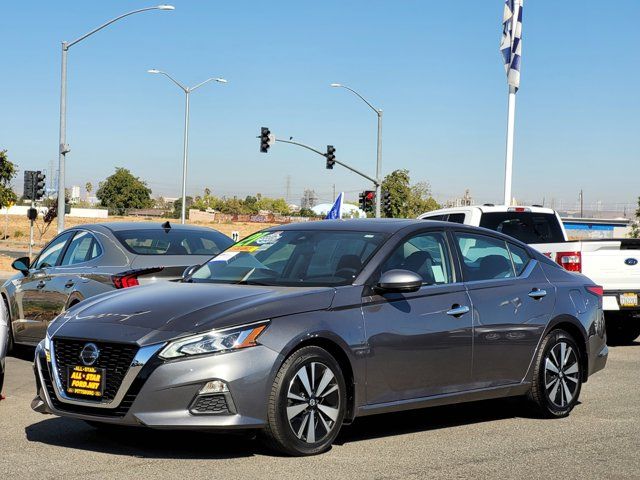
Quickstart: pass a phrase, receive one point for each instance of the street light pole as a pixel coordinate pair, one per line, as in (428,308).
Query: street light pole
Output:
(185,150)
(185,155)
(378,181)
(63,148)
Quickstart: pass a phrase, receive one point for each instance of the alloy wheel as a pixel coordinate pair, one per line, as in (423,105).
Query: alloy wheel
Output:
(561,374)
(313,402)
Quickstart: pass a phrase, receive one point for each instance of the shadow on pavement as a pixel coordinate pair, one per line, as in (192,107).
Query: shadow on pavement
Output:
(434,418)
(146,443)
(142,442)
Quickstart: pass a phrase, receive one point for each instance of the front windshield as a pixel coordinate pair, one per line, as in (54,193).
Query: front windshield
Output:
(293,258)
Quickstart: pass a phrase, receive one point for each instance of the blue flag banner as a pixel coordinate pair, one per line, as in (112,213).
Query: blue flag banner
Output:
(336,210)
(511,43)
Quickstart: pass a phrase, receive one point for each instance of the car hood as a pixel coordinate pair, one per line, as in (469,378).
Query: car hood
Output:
(161,312)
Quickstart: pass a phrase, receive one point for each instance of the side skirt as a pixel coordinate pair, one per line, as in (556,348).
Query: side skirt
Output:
(512,390)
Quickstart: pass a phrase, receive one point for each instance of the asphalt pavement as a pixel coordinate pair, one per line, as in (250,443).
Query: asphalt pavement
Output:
(492,439)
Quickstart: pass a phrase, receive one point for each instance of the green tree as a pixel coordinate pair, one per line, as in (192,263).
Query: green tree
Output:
(407,201)
(635,228)
(7,172)
(89,188)
(122,191)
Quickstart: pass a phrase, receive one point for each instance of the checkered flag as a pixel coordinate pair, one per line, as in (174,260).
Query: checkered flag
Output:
(511,44)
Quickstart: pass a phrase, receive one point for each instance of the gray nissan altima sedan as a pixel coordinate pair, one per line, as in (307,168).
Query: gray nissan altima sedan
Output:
(299,329)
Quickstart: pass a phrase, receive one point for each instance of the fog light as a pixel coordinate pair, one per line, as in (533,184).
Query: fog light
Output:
(214,386)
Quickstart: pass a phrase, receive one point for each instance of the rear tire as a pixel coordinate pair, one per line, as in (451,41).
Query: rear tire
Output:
(622,328)
(307,403)
(557,376)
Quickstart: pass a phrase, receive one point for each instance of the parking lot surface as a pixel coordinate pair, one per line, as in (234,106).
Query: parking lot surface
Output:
(494,439)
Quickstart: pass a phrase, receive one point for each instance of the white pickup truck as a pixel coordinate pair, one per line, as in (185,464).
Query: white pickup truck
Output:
(613,264)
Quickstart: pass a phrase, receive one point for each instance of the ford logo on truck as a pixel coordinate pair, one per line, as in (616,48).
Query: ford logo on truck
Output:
(631,261)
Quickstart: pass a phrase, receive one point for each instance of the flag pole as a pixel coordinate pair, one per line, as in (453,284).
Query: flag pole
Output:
(508,167)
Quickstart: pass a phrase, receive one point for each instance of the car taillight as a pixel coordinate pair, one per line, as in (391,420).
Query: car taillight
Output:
(597,290)
(125,281)
(130,278)
(571,261)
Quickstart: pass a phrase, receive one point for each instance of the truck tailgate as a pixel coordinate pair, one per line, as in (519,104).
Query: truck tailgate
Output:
(614,264)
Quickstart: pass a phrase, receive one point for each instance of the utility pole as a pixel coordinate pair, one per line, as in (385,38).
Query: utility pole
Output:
(581,204)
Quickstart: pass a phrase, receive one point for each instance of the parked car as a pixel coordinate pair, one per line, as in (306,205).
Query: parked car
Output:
(301,328)
(612,263)
(88,260)
(4,342)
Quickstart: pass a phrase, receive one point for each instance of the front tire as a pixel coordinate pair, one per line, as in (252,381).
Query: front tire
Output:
(307,403)
(557,376)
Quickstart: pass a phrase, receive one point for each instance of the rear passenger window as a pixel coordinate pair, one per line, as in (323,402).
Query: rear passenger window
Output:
(520,258)
(484,258)
(436,217)
(425,254)
(83,247)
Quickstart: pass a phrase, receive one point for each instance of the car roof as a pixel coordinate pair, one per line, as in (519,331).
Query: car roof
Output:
(120,226)
(374,225)
(490,209)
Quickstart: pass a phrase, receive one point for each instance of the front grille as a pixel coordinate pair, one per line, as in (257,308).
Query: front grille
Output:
(120,411)
(211,405)
(115,358)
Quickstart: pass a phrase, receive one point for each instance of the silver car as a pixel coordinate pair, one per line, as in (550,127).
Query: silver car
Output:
(299,329)
(87,260)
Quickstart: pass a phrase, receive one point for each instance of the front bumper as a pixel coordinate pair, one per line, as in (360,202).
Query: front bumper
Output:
(162,394)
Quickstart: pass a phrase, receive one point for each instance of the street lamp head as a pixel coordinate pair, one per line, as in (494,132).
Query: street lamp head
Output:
(166,7)
(336,85)
(153,70)
(221,80)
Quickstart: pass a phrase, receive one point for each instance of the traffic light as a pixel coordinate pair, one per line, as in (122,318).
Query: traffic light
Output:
(386,203)
(265,139)
(40,186)
(367,200)
(29,183)
(331,157)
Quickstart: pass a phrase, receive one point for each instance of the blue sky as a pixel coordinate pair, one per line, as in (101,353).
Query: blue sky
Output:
(433,67)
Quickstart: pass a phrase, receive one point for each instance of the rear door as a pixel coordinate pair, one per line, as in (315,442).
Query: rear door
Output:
(73,272)
(35,303)
(512,303)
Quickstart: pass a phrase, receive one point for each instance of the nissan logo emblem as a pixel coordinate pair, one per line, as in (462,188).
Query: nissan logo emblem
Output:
(89,354)
(631,262)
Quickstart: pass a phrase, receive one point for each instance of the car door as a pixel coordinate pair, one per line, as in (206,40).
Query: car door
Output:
(512,303)
(34,301)
(71,273)
(420,342)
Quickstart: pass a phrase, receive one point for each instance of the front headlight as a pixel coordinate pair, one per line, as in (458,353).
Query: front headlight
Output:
(215,341)
(47,343)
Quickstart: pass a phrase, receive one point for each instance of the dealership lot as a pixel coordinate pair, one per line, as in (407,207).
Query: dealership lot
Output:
(601,439)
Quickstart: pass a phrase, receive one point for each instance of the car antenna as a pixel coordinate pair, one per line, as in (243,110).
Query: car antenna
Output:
(167,226)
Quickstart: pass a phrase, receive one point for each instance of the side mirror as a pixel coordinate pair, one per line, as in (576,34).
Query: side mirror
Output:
(22,264)
(189,271)
(400,281)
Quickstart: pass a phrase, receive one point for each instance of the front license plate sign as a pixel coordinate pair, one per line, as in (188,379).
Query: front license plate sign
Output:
(85,381)
(629,300)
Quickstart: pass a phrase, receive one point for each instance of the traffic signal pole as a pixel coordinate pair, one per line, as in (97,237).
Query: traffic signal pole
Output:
(375,182)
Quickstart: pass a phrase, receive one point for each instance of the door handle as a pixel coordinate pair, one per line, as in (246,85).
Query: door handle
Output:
(458,310)
(537,293)
(69,284)
(41,284)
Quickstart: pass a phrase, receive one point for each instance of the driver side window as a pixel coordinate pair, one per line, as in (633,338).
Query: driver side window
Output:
(50,255)
(425,254)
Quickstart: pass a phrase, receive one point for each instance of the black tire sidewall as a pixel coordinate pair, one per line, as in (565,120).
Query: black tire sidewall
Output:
(290,442)
(556,337)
